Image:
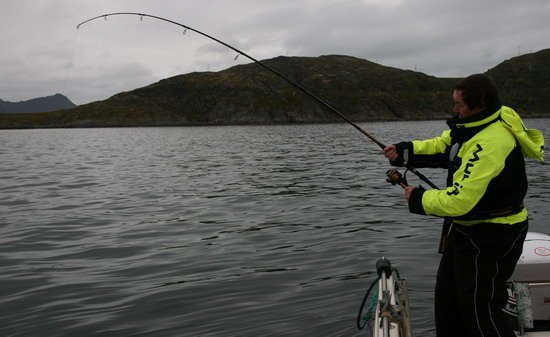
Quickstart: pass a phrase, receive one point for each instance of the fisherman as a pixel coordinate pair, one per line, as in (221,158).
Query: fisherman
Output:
(484,153)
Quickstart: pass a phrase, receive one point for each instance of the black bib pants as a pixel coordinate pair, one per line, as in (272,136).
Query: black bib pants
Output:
(470,290)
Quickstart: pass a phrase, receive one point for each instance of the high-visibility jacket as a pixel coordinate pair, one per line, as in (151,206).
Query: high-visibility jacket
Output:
(486,179)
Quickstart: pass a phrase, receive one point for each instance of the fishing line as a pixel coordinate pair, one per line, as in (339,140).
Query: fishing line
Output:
(69,64)
(240,52)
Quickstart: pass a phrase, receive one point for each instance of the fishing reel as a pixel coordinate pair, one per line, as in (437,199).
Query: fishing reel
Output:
(394,177)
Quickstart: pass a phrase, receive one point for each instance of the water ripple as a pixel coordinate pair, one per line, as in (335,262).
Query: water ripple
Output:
(260,230)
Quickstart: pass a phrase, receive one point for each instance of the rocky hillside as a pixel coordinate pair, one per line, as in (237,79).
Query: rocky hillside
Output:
(250,94)
(41,104)
(524,82)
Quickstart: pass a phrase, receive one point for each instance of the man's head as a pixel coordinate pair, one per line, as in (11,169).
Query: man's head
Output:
(473,94)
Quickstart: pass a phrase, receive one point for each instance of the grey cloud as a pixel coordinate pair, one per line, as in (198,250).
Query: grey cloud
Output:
(45,54)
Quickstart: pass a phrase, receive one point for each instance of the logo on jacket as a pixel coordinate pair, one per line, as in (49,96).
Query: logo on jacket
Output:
(467,171)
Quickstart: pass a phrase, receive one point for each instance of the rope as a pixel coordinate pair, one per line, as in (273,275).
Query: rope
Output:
(361,323)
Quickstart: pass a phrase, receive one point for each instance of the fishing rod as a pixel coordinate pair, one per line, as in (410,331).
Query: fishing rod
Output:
(299,87)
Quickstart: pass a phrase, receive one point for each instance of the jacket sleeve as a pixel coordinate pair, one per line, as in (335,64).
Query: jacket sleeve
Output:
(430,152)
(482,160)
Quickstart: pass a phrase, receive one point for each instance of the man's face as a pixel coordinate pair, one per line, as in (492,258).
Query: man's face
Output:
(461,108)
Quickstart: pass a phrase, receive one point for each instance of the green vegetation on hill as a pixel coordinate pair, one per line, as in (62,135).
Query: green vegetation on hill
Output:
(524,82)
(250,94)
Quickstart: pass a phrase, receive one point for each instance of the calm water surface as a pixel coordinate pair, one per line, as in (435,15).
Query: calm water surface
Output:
(218,231)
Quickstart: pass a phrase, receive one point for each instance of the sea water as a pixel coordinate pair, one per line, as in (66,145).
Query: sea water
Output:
(212,231)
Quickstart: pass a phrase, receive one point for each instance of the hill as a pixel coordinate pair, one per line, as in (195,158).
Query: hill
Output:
(524,82)
(41,104)
(249,94)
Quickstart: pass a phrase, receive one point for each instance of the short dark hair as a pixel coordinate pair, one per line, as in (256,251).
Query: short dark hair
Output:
(478,91)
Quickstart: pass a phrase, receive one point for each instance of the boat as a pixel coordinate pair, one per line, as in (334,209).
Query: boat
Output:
(387,302)
(388,313)
(529,287)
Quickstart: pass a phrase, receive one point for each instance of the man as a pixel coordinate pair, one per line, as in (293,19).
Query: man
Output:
(483,203)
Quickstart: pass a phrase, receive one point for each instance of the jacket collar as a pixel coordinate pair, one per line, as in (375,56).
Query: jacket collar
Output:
(462,129)
(485,116)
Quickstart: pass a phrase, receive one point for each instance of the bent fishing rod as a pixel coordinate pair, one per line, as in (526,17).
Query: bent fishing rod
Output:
(299,87)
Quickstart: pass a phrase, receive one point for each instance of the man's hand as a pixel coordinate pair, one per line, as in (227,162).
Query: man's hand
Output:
(390,152)
(408,191)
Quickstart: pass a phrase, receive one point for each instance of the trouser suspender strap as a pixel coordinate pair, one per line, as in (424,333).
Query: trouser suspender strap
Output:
(445,231)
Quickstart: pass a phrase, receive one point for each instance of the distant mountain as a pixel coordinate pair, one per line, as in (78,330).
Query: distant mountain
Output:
(249,94)
(42,104)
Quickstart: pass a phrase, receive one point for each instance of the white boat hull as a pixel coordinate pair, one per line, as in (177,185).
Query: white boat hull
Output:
(533,271)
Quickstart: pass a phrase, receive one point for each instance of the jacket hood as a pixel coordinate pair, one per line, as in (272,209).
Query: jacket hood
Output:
(531,140)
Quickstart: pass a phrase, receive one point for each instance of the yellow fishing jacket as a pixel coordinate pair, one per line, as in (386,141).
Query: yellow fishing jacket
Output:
(486,171)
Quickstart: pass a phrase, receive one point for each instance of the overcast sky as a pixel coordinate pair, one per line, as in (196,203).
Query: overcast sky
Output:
(43,53)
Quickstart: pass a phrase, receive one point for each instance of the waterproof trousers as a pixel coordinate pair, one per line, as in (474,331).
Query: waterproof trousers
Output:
(470,290)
